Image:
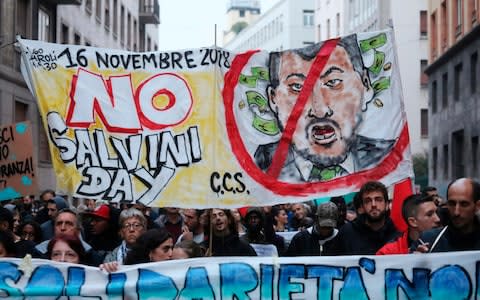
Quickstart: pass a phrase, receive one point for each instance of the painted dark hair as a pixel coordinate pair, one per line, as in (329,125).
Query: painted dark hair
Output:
(349,43)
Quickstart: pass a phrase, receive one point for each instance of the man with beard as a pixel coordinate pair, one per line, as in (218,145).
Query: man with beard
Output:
(371,230)
(324,143)
(300,219)
(225,240)
(193,229)
(420,214)
(463,230)
(103,228)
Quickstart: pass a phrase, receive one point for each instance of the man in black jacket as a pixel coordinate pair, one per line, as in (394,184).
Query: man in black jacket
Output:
(261,235)
(463,230)
(318,239)
(371,230)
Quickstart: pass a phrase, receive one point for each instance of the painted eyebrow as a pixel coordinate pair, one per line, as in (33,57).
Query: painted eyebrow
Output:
(301,75)
(330,70)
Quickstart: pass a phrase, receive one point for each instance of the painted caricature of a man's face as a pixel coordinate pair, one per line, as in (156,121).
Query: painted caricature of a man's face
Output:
(326,127)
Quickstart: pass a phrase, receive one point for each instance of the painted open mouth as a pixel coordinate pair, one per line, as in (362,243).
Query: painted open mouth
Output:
(323,134)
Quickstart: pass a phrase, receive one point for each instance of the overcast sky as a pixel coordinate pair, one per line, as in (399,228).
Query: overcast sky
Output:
(191,23)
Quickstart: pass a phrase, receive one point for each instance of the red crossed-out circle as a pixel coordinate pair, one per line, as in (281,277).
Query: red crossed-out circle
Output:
(270,180)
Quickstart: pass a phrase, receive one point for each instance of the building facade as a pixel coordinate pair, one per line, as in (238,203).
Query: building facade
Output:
(408,19)
(240,13)
(288,24)
(329,19)
(454,91)
(120,24)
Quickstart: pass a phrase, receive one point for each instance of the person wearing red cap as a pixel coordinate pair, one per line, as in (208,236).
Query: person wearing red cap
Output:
(103,230)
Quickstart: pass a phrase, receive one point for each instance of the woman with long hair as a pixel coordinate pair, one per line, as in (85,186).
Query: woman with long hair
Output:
(152,246)
(280,219)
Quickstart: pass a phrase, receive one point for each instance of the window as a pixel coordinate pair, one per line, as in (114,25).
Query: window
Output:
(457,82)
(135,35)
(444,25)
(434,162)
(473,72)
(319,32)
(115,18)
(98,11)
(77,39)
(308,18)
(338,24)
(424,122)
(328,28)
(21,27)
(64,35)
(107,15)
(44,27)
(88,6)
(444,90)
(472,5)
(129,31)
(122,25)
(475,156)
(433,35)
(434,96)
(458,15)
(43,149)
(423,76)
(242,13)
(21,111)
(423,23)
(458,159)
(445,161)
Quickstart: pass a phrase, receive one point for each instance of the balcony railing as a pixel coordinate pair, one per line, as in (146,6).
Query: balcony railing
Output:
(149,12)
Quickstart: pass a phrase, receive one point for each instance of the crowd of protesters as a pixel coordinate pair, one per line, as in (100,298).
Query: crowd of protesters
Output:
(99,233)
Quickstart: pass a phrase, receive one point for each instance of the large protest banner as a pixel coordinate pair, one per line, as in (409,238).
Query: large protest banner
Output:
(17,170)
(454,275)
(212,128)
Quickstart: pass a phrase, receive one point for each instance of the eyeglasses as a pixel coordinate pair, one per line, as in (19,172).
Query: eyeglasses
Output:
(134,226)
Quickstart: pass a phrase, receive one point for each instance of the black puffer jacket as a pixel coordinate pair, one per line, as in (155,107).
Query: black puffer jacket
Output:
(452,239)
(310,243)
(230,245)
(357,238)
